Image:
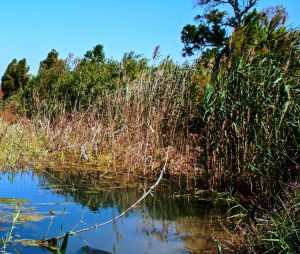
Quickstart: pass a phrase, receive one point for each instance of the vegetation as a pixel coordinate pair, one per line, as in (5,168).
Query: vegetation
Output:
(15,77)
(211,34)
(232,118)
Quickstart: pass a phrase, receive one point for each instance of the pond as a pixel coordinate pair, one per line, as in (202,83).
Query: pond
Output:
(52,203)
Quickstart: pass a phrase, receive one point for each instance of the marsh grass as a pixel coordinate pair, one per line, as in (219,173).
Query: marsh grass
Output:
(9,234)
(274,229)
(20,145)
(252,117)
(249,144)
(127,128)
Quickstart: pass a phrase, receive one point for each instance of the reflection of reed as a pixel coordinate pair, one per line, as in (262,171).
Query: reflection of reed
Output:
(196,223)
(114,191)
(200,232)
(197,233)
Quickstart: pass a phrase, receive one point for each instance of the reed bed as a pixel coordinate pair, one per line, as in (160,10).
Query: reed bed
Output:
(20,145)
(252,131)
(251,138)
(243,137)
(127,128)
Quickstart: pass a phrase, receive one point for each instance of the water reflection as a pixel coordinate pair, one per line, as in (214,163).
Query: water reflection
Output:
(161,224)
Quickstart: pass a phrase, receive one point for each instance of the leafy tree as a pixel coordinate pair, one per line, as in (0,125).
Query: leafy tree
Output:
(51,69)
(87,82)
(239,9)
(96,55)
(40,89)
(60,84)
(50,61)
(15,77)
(211,31)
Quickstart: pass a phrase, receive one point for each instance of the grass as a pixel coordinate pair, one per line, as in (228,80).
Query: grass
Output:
(9,235)
(20,145)
(275,229)
(251,132)
(126,129)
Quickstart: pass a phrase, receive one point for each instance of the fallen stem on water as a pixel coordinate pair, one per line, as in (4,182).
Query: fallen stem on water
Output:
(45,242)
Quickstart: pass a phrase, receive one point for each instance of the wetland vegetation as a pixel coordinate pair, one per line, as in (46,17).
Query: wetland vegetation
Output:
(225,128)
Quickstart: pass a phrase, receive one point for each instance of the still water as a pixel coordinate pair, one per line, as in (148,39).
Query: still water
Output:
(55,202)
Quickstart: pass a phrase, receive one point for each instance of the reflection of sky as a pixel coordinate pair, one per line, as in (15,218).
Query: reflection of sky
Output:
(136,232)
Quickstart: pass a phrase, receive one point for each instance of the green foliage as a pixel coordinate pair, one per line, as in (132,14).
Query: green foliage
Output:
(96,55)
(15,77)
(252,127)
(50,61)
(89,81)
(211,31)
(132,66)
(60,85)
(263,33)
(57,87)
(275,228)
(62,249)
(39,91)
(238,9)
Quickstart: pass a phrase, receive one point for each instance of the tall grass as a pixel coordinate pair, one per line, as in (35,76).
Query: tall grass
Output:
(252,127)
(20,145)
(275,229)
(128,127)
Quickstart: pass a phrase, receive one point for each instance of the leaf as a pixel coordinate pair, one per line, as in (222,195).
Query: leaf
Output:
(277,80)
(287,89)
(271,240)
(63,247)
(218,246)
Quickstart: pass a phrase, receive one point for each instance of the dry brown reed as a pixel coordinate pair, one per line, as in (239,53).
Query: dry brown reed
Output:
(128,128)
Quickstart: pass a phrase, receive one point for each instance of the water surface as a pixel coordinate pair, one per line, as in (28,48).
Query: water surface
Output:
(162,223)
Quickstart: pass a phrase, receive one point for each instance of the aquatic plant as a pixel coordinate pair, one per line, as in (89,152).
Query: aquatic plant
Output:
(273,229)
(9,234)
(252,117)
(20,145)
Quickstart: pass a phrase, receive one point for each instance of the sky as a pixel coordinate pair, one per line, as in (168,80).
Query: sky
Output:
(32,28)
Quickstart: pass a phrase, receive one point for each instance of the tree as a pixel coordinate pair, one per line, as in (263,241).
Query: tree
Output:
(50,71)
(15,77)
(96,55)
(211,31)
(239,8)
(50,61)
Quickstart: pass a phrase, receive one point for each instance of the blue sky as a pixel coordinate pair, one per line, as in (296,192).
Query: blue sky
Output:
(31,28)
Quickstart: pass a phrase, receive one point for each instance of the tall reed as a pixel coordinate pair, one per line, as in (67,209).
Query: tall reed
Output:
(252,127)
(130,126)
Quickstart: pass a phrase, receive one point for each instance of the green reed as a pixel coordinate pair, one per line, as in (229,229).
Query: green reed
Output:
(252,127)
(9,235)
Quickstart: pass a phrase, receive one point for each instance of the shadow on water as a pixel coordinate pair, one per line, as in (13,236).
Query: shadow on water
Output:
(88,250)
(67,201)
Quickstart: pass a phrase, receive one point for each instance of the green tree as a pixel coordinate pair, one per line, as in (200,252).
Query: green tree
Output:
(15,77)
(88,82)
(211,31)
(50,61)
(51,69)
(96,55)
